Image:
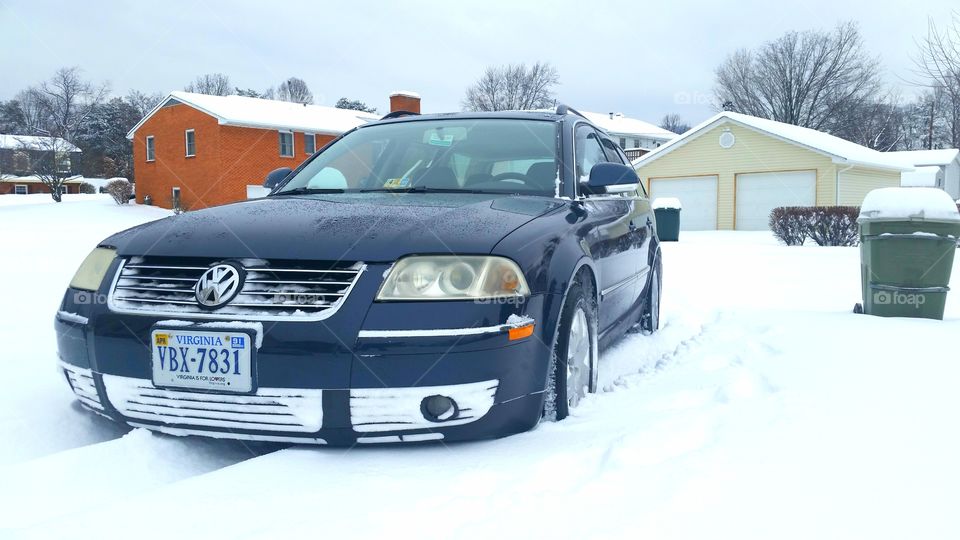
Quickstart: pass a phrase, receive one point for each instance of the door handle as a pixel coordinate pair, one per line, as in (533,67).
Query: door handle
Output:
(632,225)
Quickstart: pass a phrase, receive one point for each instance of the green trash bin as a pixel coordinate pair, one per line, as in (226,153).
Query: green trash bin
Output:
(908,237)
(666,210)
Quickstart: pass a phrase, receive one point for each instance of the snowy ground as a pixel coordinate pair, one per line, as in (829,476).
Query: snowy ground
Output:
(763,409)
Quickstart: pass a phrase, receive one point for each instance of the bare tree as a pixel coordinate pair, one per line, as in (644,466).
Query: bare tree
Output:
(879,124)
(673,122)
(33,111)
(49,161)
(213,84)
(70,100)
(802,78)
(939,63)
(513,87)
(142,102)
(294,90)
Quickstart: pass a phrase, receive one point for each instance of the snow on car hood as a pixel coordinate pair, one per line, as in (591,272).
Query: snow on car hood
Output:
(347,227)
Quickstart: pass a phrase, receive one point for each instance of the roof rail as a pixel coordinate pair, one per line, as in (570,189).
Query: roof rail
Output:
(399,114)
(566,109)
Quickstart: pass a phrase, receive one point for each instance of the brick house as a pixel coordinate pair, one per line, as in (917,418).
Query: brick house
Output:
(21,155)
(205,150)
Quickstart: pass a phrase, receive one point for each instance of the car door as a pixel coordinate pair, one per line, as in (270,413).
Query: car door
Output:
(609,238)
(641,218)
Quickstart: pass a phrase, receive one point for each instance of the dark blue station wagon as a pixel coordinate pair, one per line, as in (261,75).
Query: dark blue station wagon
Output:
(422,278)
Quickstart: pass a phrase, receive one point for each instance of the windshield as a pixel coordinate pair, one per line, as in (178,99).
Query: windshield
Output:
(468,155)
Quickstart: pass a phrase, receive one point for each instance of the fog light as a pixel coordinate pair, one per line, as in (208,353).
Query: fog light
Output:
(439,408)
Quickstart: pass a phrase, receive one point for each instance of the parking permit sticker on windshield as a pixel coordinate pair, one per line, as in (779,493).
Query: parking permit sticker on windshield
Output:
(395,183)
(437,140)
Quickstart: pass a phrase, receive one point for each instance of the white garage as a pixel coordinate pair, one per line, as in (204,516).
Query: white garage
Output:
(759,193)
(698,196)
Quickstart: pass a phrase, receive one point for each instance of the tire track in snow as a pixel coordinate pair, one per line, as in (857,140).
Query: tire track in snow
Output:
(75,481)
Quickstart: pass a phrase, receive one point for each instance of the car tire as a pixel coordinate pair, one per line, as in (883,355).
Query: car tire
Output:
(573,372)
(650,319)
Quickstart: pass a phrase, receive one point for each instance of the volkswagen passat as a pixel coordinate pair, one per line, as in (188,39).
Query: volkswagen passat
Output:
(421,278)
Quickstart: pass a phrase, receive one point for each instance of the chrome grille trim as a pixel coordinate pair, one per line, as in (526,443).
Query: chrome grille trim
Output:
(269,292)
(287,410)
(81,382)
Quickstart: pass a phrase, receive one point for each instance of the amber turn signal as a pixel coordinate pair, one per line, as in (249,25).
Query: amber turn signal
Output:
(521,332)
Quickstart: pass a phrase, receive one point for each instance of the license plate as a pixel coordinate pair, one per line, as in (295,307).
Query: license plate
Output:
(202,360)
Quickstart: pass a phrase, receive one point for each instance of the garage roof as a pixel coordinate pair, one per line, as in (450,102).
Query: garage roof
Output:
(840,150)
(267,113)
(926,157)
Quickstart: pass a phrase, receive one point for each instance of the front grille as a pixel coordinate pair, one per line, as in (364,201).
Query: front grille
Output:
(163,285)
(270,409)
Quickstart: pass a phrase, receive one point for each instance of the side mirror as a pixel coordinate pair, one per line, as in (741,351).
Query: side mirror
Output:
(610,178)
(276,176)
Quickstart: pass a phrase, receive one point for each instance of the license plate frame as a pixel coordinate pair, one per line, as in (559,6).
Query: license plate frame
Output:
(242,384)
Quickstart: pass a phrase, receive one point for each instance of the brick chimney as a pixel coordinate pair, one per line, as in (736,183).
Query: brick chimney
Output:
(403,100)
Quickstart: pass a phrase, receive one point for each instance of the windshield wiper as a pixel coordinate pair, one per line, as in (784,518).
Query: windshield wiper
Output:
(419,189)
(309,191)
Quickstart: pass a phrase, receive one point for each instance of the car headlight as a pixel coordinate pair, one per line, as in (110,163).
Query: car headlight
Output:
(93,269)
(449,277)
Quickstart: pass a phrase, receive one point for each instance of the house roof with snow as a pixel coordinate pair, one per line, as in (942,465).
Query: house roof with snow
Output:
(30,142)
(10,179)
(617,123)
(920,158)
(266,113)
(840,150)
(927,176)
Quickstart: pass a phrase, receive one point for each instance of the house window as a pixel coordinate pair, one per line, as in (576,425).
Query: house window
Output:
(286,144)
(191,142)
(151,152)
(623,142)
(636,143)
(309,143)
(64,189)
(175,197)
(21,189)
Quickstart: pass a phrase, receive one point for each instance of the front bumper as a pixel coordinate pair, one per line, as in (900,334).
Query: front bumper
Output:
(316,386)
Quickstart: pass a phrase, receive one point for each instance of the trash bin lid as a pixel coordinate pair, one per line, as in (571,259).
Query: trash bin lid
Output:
(667,202)
(908,204)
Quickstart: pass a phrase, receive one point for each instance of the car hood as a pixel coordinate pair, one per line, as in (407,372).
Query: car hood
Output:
(345,227)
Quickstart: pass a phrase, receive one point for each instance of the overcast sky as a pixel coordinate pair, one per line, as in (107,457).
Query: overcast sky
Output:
(641,58)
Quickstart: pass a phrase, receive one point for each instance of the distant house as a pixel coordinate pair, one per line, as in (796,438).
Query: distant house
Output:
(22,155)
(730,171)
(934,168)
(195,150)
(636,137)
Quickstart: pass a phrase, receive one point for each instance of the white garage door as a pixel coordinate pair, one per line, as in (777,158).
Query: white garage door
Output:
(698,196)
(759,193)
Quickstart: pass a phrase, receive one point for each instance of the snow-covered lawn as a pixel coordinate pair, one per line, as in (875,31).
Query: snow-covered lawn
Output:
(763,409)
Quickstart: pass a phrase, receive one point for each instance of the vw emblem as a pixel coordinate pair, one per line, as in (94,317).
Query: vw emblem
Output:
(218,285)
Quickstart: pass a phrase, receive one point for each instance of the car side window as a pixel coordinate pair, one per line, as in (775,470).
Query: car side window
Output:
(589,150)
(641,191)
(610,150)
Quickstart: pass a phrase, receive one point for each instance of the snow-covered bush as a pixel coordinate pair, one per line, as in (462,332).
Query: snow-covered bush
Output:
(825,225)
(789,224)
(87,187)
(121,190)
(834,225)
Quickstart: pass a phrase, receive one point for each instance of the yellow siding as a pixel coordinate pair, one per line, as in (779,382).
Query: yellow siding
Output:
(855,183)
(752,152)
